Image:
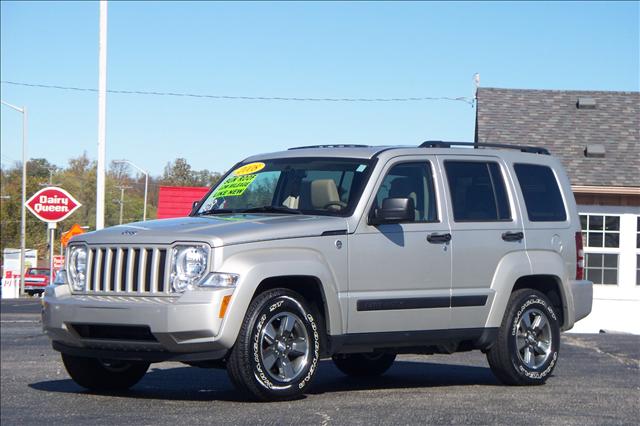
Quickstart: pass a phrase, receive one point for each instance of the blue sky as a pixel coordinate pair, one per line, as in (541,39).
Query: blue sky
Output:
(291,50)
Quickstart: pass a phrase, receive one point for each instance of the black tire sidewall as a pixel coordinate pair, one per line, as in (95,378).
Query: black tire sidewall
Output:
(286,302)
(538,301)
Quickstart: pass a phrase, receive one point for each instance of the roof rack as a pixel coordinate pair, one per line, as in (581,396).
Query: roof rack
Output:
(523,148)
(330,146)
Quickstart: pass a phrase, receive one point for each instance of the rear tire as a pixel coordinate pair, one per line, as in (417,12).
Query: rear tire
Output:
(104,375)
(277,351)
(364,364)
(526,349)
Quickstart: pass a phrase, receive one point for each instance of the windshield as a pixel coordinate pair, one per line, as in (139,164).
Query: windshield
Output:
(38,272)
(292,185)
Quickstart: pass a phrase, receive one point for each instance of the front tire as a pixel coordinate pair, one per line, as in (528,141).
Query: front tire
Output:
(364,364)
(278,348)
(526,349)
(104,375)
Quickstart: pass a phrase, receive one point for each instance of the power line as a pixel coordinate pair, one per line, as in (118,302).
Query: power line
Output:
(245,98)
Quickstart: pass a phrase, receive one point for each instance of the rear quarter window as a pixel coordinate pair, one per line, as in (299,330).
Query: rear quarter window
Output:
(541,193)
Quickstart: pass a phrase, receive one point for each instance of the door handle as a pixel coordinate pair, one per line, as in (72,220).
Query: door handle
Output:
(513,236)
(438,238)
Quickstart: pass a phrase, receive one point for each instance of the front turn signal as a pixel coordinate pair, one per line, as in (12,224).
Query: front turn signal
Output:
(224,305)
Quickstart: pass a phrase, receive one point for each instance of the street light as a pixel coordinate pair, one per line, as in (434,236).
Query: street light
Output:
(23,226)
(146,183)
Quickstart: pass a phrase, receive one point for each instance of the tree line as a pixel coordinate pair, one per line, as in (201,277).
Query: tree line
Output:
(78,178)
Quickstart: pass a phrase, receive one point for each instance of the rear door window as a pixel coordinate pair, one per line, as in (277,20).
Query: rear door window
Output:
(478,192)
(541,193)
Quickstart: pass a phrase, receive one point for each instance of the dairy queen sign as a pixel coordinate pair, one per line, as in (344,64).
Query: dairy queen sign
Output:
(52,204)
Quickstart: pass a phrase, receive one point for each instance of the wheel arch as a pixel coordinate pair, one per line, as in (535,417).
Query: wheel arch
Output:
(309,287)
(550,286)
(541,270)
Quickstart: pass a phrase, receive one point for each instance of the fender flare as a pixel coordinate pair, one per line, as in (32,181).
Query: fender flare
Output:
(260,264)
(517,265)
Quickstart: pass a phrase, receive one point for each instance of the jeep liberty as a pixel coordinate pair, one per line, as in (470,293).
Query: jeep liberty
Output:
(350,252)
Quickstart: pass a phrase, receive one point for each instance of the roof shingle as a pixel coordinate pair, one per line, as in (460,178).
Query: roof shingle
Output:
(551,119)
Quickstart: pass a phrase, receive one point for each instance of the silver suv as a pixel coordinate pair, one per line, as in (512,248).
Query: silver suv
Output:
(356,253)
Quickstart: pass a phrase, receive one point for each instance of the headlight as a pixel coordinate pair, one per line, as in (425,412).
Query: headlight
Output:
(188,265)
(77,267)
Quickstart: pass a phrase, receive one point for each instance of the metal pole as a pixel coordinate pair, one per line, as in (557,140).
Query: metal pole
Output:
(23,213)
(146,186)
(102,116)
(52,240)
(121,203)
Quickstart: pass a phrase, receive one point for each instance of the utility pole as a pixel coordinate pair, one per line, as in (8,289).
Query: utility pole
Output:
(50,183)
(121,201)
(146,183)
(23,215)
(102,116)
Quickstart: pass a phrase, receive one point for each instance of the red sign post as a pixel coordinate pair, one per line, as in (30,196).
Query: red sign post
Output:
(51,205)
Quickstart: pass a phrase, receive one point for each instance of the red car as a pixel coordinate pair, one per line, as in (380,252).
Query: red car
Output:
(35,280)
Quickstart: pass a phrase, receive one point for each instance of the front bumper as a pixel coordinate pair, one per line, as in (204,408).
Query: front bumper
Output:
(38,287)
(183,327)
(582,291)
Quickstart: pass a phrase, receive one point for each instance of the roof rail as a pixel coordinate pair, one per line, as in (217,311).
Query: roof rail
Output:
(330,146)
(523,148)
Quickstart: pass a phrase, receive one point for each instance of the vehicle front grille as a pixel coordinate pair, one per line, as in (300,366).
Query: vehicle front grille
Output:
(128,270)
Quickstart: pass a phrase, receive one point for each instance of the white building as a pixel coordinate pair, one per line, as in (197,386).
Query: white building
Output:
(596,135)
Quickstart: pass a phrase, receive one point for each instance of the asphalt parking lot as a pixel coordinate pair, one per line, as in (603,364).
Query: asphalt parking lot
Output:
(597,381)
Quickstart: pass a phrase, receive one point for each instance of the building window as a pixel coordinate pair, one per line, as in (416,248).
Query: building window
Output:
(637,269)
(600,230)
(602,268)
(601,236)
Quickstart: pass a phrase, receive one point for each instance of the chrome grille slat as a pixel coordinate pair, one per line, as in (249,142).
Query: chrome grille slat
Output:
(142,270)
(106,282)
(128,270)
(89,272)
(97,284)
(154,270)
(118,277)
(167,272)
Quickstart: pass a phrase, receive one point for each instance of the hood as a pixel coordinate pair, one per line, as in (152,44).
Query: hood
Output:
(218,230)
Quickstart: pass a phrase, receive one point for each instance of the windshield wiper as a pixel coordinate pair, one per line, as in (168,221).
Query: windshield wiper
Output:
(215,211)
(270,209)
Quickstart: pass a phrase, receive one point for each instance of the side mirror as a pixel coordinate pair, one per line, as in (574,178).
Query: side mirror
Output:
(195,205)
(394,210)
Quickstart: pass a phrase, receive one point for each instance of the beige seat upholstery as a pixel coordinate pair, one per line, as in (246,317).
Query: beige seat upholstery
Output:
(323,193)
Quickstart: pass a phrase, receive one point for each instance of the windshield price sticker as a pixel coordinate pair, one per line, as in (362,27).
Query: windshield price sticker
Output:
(234,186)
(248,169)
